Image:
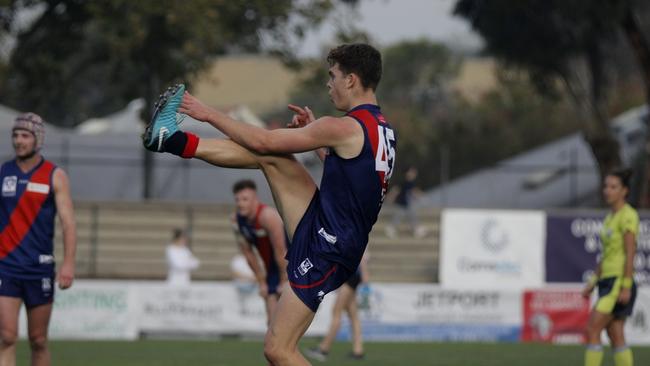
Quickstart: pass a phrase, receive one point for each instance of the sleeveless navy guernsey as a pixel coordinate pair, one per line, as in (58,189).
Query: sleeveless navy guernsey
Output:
(27,212)
(352,190)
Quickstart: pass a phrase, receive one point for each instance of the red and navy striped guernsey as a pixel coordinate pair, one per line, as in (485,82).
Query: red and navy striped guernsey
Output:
(27,212)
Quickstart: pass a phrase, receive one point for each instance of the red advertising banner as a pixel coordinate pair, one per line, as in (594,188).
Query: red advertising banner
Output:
(556,316)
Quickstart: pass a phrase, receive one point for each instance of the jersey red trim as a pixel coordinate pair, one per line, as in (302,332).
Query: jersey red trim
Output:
(263,246)
(371,124)
(23,216)
(257,225)
(310,285)
(368,119)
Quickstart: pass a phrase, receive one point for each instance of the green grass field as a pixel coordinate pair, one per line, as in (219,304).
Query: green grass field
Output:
(243,353)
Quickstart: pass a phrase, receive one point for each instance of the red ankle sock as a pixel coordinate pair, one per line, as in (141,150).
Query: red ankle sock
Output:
(191,146)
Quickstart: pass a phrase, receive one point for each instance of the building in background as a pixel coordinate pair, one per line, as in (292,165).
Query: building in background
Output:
(561,173)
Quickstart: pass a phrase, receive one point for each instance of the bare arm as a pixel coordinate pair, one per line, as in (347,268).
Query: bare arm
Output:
(342,134)
(629,241)
(260,274)
(246,249)
(272,223)
(65,211)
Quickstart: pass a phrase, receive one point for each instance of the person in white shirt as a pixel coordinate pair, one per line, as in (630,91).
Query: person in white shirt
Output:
(240,269)
(180,259)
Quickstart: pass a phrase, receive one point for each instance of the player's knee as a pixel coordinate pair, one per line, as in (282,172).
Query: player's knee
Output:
(267,162)
(273,352)
(270,351)
(616,338)
(337,312)
(38,342)
(593,331)
(353,316)
(8,338)
(271,161)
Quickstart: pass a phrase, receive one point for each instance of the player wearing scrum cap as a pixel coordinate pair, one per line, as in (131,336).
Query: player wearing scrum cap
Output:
(34,191)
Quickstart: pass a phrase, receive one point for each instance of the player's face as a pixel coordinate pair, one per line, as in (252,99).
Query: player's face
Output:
(24,143)
(246,200)
(337,90)
(613,190)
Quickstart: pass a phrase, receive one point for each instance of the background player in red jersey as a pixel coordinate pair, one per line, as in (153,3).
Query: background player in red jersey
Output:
(34,191)
(259,226)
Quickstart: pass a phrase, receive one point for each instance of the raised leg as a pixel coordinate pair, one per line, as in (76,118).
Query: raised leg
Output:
(226,153)
(291,185)
(293,189)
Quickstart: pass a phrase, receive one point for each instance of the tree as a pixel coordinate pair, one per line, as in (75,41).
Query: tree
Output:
(86,58)
(555,39)
(641,47)
(79,59)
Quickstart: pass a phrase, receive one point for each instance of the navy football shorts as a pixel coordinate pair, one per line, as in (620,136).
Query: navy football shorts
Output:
(32,292)
(310,275)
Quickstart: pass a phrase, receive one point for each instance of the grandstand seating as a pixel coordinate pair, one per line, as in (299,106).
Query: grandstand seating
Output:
(127,241)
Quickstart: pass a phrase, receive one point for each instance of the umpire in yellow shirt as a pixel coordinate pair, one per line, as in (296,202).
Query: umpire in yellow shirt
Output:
(614,273)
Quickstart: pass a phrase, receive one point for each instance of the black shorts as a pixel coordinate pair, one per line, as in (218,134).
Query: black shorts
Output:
(608,291)
(310,275)
(354,280)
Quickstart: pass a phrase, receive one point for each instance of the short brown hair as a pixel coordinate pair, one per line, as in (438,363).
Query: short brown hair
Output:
(243,184)
(177,233)
(360,59)
(624,174)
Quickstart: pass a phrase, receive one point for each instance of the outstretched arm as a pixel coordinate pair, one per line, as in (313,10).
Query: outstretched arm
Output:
(324,132)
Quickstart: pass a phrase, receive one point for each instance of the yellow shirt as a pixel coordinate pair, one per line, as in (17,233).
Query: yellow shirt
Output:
(614,228)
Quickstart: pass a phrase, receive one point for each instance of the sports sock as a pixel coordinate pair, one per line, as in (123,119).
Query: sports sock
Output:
(181,143)
(623,357)
(593,355)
